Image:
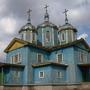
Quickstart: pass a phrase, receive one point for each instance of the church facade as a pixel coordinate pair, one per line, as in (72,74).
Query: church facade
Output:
(46,57)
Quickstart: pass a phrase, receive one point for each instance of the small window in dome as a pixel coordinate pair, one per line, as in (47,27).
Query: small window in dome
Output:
(33,37)
(47,36)
(21,36)
(63,36)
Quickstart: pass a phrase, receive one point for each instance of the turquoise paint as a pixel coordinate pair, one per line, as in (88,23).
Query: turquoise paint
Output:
(50,75)
(72,74)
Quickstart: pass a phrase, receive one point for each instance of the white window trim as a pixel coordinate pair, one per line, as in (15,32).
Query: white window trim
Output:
(53,36)
(57,57)
(61,74)
(46,38)
(24,35)
(85,57)
(64,36)
(19,57)
(41,57)
(31,36)
(43,74)
(43,38)
(13,59)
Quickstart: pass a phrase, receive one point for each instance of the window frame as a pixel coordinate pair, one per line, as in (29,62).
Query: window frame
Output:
(59,74)
(13,58)
(47,40)
(83,57)
(58,59)
(42,75)
(41,58)
(63,34)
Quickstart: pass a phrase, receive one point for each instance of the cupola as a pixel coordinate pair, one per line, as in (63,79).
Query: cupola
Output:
(67,33)
(28,32)
(47,31)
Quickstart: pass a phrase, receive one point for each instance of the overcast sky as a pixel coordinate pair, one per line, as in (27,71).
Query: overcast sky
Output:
(13,15)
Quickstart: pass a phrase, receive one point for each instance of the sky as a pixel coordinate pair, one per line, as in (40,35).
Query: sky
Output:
(13,15)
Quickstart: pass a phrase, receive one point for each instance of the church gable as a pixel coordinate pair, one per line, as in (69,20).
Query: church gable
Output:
(83,44)
(15,43)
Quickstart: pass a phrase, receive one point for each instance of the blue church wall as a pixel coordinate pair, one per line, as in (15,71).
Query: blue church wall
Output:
(32,59)
(47,75)
(22,52)
(24,58)
(66,52)
(12,77)
(77,61)
(77,51)
(71,69)
(50,75)
(58,80)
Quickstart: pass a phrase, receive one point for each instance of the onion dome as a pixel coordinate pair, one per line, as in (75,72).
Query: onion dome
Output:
(28,26)
(67,33)
(28,31)
(46,21)
(67,26)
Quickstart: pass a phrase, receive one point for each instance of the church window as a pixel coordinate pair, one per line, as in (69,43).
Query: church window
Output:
(21,36)
(47,36)
(83,57)
(39,58)
(63,36)
(59,57)
(24,36)
(41,74)
(16,75)
(16,58)
(59,74)
(33,36)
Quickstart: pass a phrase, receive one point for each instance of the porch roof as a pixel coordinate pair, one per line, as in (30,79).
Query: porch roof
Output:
(10,65)
(84,65)
(49,63)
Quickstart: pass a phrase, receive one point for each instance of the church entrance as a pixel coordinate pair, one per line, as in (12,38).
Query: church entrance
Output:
(85,74)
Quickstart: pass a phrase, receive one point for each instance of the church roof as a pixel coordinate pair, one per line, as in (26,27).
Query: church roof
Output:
(22,43)
(67,26)
(10,65)
(84,65)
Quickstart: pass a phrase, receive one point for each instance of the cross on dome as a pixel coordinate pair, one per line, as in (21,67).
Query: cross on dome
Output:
(46,17)
(29,15)
(66,19)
